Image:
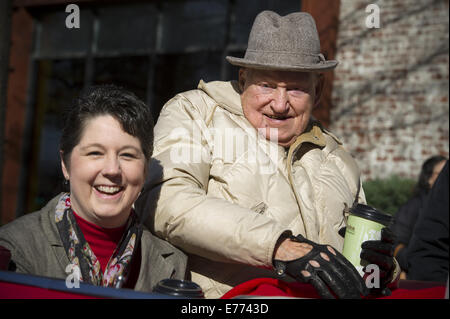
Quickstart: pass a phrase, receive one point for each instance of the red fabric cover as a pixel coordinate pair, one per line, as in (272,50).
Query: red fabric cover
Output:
(16,291)
(268,287)
(271,287)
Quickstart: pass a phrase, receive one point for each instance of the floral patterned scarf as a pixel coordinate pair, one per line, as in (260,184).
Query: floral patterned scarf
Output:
(83,258)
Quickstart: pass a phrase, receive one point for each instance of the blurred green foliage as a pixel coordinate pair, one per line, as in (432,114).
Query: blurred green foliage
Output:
(388,194)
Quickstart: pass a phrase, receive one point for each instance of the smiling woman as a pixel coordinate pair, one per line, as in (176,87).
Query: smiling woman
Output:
(106,172)
(105,147)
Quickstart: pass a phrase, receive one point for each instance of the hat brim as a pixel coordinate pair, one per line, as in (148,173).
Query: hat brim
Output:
(321,67)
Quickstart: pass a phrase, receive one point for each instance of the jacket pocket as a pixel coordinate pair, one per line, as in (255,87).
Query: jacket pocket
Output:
(259,208)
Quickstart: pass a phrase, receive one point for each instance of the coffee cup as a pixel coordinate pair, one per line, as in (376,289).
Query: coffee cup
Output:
(179,288)
(364,223)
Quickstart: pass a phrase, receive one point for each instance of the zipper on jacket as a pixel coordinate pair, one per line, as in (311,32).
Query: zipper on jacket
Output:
(315,137)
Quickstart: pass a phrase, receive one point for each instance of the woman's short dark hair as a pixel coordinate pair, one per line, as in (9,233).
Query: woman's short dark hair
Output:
(133,115)
(427,170)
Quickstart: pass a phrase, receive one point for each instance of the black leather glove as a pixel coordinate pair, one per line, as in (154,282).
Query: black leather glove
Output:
(381,253)
(331,274)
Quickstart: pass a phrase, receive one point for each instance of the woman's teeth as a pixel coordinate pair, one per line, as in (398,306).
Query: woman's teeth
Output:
(108,189)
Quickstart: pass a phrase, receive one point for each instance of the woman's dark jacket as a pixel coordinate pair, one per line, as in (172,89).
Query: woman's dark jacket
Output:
(36,248)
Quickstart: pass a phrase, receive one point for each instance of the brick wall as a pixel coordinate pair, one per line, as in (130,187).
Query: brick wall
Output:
(20,49)
(390,92)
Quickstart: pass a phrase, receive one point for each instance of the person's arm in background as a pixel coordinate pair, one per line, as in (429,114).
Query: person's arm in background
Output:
(428,250)
(401,231)
(405,220)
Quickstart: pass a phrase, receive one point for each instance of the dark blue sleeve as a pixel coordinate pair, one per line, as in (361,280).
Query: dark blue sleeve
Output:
(428,249)
(405,220)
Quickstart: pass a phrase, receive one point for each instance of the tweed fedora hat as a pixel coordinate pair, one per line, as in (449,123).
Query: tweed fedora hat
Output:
(285,43)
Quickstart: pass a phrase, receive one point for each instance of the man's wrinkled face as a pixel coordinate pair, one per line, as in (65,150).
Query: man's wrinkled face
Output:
(279,101)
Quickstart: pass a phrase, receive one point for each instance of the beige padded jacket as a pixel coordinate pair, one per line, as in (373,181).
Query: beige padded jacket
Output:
(224,194)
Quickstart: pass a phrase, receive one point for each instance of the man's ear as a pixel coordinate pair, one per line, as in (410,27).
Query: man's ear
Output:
(242,78)
(320,82)
(63,166)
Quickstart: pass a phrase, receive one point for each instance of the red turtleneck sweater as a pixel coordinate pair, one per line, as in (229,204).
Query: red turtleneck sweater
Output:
(103,241)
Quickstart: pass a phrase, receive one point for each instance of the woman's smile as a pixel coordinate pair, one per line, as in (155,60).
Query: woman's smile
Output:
(109,192)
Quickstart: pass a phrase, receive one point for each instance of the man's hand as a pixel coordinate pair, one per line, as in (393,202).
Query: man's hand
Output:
(321,265)
(289,250)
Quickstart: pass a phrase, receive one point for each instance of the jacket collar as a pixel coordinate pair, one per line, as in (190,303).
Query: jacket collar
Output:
(316,139)
(48,222)
(51,232)
(226,94)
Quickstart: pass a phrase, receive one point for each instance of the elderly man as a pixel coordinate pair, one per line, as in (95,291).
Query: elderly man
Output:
(242,166)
